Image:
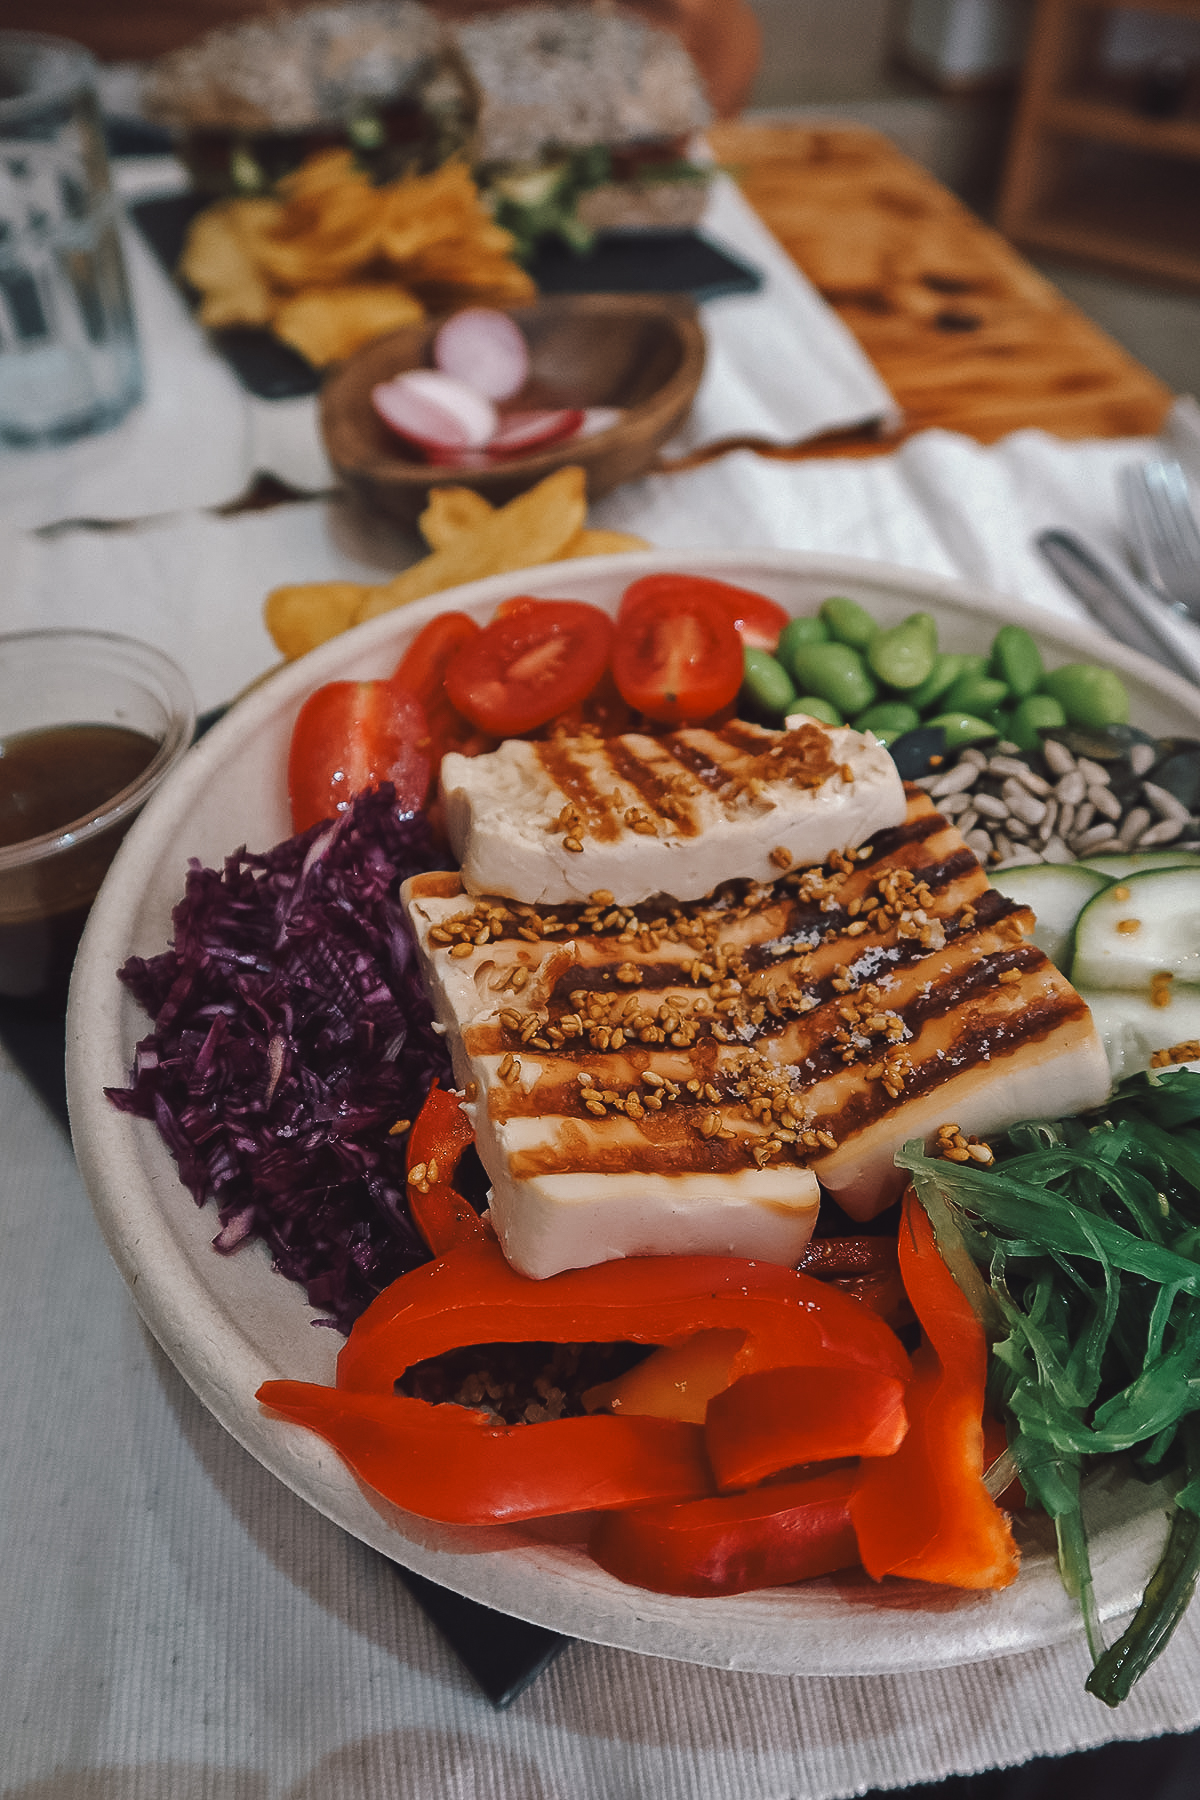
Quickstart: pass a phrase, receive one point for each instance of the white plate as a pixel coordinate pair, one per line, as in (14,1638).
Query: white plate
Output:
(230,1323)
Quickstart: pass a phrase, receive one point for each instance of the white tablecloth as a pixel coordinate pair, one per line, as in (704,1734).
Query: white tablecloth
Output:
(176,1623)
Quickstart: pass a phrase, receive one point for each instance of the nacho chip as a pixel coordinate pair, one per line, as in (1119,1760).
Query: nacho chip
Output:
(531,529)
(326,325)
(449,511)
(603,543)
(301,617)
(423,210)
(220,265)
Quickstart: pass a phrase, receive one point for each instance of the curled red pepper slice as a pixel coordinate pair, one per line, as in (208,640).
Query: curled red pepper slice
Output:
(473,1296)
(925,1512)
(778,1418)
(439,1135)
(786,1532)
(454,1464)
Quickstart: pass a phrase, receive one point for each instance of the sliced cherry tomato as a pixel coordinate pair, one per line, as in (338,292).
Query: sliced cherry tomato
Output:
(758,620)
(422,668)
(422,671)
(351,735)
(677,655)
(528,664)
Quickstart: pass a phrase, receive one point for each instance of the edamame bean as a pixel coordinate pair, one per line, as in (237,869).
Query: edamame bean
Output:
(973,664)
(1088,694)
(816,708)
(977,694)
(1037,713)
(947,667)
(888,719)
(848,622)
(904,656)
(962,729)
(766,684)
(836,673)
(800,631)
(1017,661)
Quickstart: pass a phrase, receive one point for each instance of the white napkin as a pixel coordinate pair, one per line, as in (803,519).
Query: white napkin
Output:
(781,366)
(194,583)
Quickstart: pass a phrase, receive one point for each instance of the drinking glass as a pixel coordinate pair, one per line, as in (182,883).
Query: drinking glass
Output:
(69,360)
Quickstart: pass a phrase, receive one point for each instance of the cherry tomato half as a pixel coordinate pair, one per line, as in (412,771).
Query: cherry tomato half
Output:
(529,663)
(677,655)
(759,621)
(422,671)
(351,735)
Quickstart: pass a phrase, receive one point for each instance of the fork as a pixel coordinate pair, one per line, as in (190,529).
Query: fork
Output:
(1166,536)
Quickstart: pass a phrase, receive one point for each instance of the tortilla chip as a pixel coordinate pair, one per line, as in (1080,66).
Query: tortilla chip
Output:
(218,263)
(326,325)
(531,529)
(301,617)
(450,511)
(603,543)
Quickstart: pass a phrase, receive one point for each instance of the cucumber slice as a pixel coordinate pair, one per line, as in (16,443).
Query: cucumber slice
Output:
(1140,926)
(1057,893)
(1133,1030)
(1137,862)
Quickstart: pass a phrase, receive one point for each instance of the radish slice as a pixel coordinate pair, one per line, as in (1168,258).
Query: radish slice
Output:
(435,410)
(484,348)
(599,418)
(522,431)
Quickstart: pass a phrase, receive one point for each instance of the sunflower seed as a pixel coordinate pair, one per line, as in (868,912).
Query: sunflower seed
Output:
(1165,832)
(1165,804)
(1105,801)
(1058,758)
(954,781)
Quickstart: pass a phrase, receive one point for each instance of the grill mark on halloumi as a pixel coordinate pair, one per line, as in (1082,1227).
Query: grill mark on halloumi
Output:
(901,970)
(576,775)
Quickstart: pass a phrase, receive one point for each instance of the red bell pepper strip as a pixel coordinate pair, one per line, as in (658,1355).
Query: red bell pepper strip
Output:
(439,1135)
(778,1418)
(452,1463)
(925,1512)
(455,1464)
(473,1296)
(788,1531)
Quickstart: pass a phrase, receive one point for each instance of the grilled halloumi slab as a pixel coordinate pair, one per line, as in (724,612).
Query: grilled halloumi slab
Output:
(637,816)
(675,1077)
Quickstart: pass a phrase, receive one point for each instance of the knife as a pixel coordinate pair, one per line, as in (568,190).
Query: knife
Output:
(1117,602)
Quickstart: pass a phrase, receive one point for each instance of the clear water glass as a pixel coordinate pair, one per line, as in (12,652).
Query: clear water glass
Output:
(69,360)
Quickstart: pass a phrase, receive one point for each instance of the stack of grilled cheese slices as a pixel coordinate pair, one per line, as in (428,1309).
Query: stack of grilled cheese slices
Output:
(674,1075)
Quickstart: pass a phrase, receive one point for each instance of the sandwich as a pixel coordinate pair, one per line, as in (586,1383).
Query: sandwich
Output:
(251,100)
(582,121)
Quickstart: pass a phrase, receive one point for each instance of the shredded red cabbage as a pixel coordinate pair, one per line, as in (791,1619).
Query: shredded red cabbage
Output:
(291,1034)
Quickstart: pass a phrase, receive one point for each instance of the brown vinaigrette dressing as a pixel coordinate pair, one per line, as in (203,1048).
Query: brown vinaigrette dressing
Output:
(51,779)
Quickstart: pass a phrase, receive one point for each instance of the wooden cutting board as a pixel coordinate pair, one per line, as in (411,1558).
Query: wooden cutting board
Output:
(966,334)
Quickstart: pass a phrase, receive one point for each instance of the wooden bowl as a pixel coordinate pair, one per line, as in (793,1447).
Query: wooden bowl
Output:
(641,352)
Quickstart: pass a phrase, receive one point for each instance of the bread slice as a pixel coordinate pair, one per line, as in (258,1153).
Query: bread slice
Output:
(554,78)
